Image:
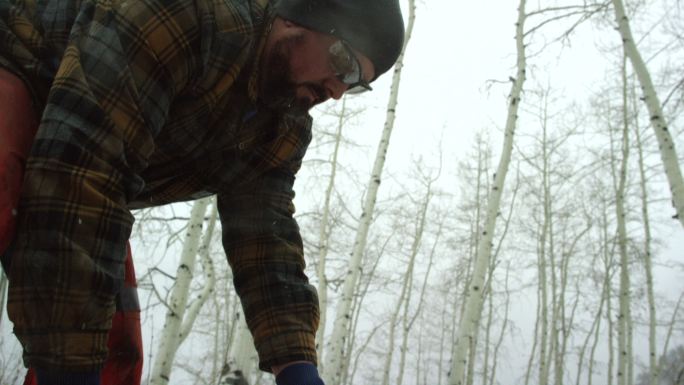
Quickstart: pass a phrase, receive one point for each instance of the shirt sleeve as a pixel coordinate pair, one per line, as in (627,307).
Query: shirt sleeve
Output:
(264,248)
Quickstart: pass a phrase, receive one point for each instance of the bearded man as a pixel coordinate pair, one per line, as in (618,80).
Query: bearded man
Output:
(139,103)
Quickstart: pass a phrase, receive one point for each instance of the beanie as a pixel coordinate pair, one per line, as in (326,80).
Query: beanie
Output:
(373,27)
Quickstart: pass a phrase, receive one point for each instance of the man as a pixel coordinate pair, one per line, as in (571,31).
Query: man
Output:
(147,102)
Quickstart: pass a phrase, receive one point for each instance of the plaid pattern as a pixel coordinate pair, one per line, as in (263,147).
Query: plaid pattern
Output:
(146,102)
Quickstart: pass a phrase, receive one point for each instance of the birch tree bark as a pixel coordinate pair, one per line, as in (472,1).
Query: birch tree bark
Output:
(499,342)
(334,363)
(362,289)
(542,257)
(404,297)
(668,153)
(242,353)
(408,321)
(3,293)
(323,241)
(209,274)
(473,311)
(624,331)
(595,326)
(652,354)
(476,190)
(171,334)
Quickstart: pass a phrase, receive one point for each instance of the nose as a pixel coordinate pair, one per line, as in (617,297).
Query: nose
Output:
(335,88)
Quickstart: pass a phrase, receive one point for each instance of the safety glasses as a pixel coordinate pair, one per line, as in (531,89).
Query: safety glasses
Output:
(347,67)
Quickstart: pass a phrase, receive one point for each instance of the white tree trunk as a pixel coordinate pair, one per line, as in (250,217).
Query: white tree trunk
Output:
(624,316)
(358,304)
(597,329)
(405,330)
(535,342)
(499,342)
(473,310)
(243,353)
(208,267)
(334,363)
(652,355)
(390,340)
(404,297)
(673,320)
(323,241)
(668,153)
(611,332)
(3,293)
(171,334)
(488,330)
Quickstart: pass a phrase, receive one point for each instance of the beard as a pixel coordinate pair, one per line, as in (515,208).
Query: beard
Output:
(277,88)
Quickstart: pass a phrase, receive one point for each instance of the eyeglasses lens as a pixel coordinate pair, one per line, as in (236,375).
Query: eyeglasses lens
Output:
(345,64)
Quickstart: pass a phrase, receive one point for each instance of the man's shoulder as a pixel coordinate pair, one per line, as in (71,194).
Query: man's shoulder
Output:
(233,16)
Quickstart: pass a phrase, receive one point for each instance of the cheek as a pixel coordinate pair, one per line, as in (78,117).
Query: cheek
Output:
(309,68)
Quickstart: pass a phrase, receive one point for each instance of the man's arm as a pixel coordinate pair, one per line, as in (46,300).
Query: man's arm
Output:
(262,241)
(264,249)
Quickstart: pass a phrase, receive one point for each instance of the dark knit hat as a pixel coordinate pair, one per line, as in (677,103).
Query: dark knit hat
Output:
(373,27)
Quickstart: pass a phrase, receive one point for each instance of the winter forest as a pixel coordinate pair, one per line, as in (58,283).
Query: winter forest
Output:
(506,207)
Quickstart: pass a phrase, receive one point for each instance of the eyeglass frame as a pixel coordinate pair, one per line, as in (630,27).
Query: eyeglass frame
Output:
(358,85)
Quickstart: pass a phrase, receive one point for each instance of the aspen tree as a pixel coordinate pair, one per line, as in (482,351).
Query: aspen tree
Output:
(471,318)
(217,333)
(675,312)
(404,296)
(490,316)
(243,356)
(553,257)
(335,360)
(595,326)
(546,233)
(482,173)
(611,342)
(324,239)
(489,295)
(647,259)
(362,289)
(666,145)
(443,328)
(605,293)
(475,186)
(232,312)
(565,323)
(624,332)
(405,328)
(3,293)
(502,332)
(419,370)
(360,351)
(173,326)
(393,326)
(208,268)
(535,343)
(409,321)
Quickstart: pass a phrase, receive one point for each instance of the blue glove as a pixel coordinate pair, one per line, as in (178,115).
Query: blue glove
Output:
(299,374)
(59,378)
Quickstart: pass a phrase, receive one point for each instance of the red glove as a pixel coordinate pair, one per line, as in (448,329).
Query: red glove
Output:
(18,125)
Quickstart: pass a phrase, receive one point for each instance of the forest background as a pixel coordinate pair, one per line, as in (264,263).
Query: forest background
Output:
(476,219)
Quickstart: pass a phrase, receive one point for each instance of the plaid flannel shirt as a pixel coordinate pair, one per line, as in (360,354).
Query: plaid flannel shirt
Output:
(146,102)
